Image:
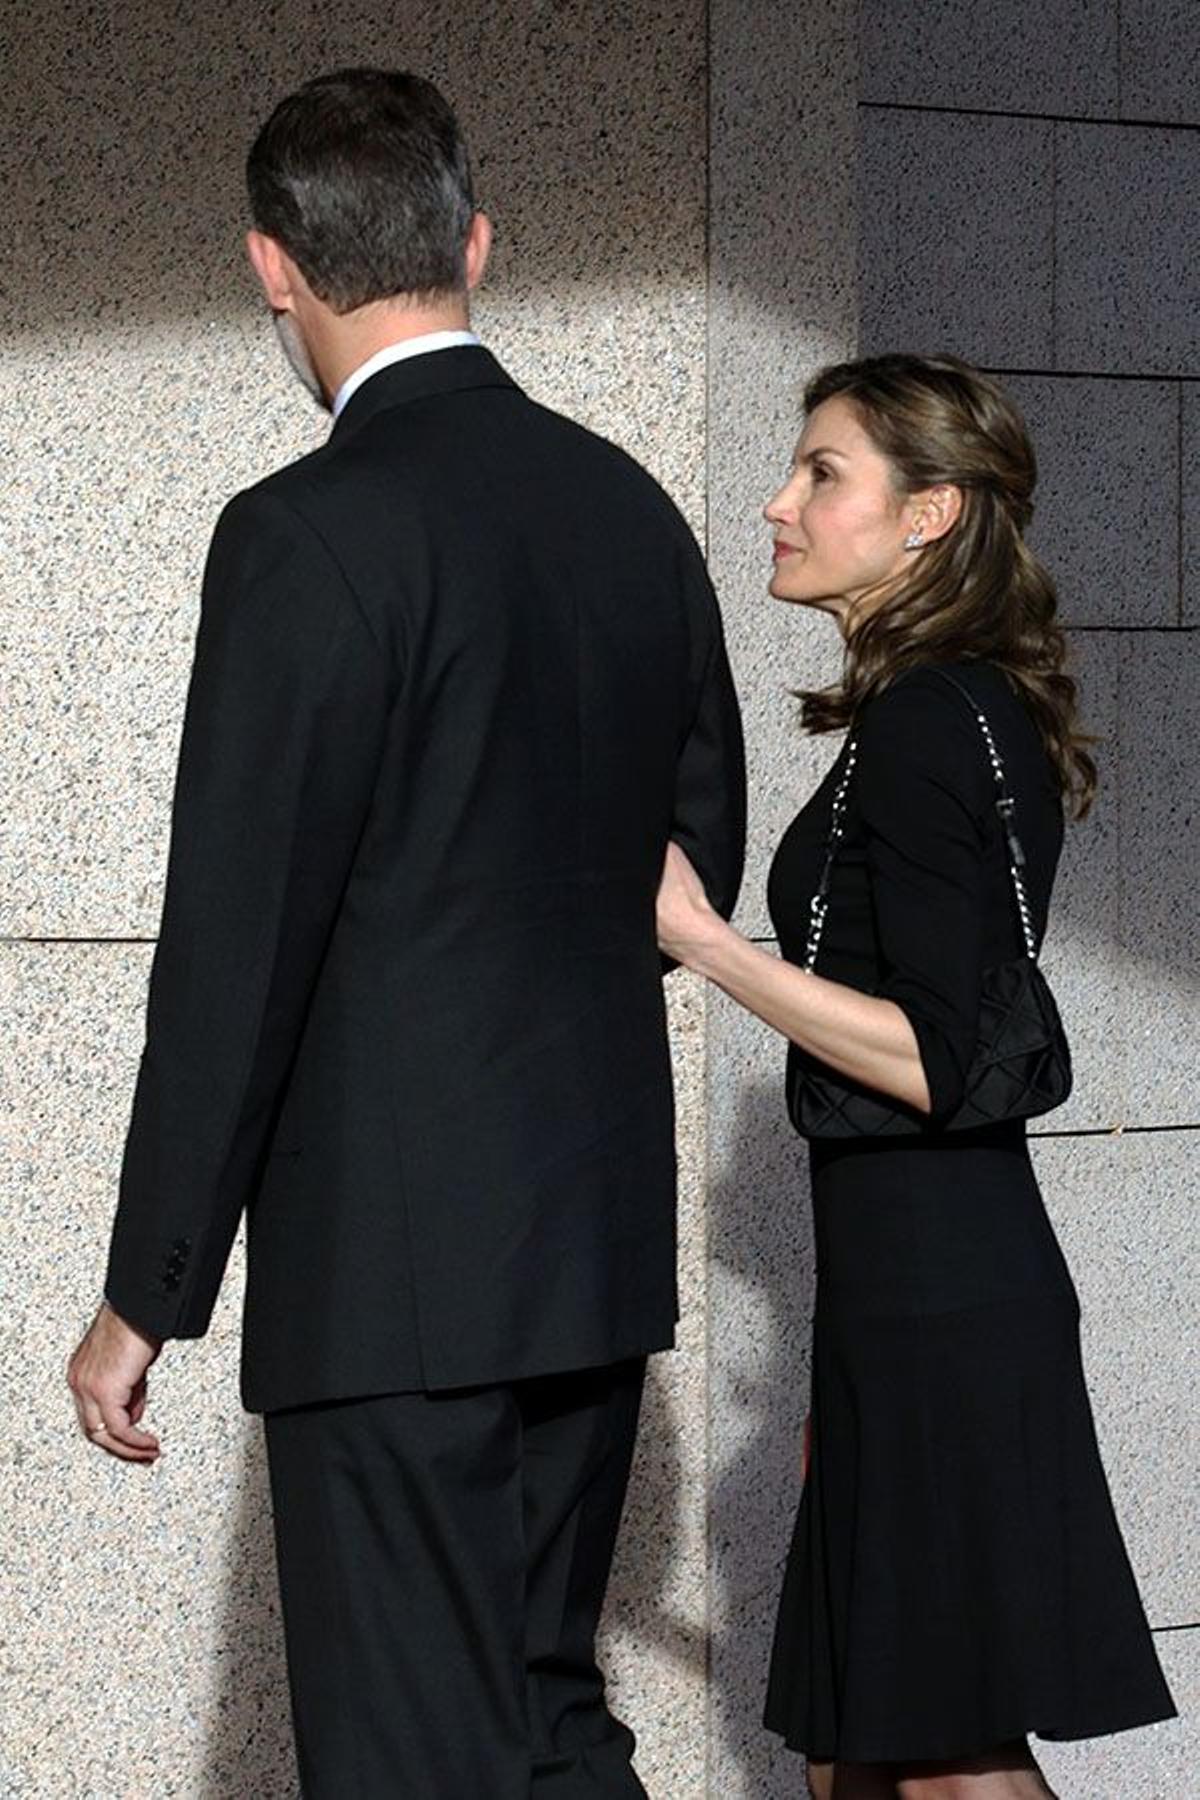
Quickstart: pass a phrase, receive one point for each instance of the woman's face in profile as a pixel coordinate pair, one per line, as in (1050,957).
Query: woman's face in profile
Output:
(839,522)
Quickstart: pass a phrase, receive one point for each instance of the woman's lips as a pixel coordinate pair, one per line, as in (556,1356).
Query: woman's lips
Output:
(782,550)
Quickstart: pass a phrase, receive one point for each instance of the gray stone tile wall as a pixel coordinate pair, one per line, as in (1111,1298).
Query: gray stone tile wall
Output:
(1159,919)
(1031,245)
(1107,522)
(1028,56)
(1082,952)
(957,246)
(1119,1205)
(1160,60)
(1127,250)
(1108,389)
(1121,950)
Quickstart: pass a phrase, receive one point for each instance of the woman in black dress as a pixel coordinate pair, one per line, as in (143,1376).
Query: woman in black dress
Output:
(957,1578)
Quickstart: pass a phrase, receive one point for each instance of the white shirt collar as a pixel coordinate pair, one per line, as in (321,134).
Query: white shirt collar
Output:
(394,353)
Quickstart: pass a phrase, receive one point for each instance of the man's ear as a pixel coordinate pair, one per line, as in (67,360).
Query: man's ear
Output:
(272,265)
(478,249)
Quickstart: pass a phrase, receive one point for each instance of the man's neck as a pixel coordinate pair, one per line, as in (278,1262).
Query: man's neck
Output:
(356,337)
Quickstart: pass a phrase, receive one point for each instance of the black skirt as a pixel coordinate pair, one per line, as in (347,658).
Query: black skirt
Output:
(957,1577)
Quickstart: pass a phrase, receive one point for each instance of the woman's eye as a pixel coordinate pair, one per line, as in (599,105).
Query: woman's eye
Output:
(820,472)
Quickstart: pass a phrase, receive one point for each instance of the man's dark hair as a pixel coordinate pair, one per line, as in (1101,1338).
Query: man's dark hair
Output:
(363,177)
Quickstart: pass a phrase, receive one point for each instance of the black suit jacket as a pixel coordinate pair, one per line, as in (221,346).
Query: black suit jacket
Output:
(459,675)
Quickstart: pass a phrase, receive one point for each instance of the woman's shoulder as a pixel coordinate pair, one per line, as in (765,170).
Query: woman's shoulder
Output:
(927,708)
(920,731)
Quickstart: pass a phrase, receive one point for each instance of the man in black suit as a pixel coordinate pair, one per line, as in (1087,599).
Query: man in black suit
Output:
(459,678)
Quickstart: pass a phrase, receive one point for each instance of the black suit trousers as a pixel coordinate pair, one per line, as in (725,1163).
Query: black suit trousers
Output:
(443,1559)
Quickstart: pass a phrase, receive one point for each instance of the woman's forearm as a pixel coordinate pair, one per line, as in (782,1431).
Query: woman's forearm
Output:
(868,1039)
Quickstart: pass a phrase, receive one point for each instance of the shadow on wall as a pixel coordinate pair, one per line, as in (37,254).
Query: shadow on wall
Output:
(128,127)
(248,1734)
(248,1744)
(248,1752)
(763,1283)
(650,1545)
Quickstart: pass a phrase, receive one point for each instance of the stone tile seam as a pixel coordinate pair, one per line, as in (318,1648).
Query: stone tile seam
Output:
(1181,503)
(1061,374)
(49,942)
(1045,118)
(1116,1131)
(1054,184)
(1118,765)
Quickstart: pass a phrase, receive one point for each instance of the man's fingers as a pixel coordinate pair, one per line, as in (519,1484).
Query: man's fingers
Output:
(111,1428)
(120,1436)
(129,1442)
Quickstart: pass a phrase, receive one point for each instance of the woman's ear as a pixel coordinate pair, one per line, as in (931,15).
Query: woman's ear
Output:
(936,511)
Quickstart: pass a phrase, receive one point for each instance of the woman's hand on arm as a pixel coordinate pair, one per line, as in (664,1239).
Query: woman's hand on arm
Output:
(868,1039)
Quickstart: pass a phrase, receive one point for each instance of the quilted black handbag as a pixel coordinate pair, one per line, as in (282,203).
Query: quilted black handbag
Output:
(1022,1062)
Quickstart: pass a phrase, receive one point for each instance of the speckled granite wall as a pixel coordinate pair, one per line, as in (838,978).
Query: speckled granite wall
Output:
(783,300)
(141,385)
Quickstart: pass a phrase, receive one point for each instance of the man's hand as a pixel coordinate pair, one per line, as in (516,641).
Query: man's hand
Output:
(107,1376)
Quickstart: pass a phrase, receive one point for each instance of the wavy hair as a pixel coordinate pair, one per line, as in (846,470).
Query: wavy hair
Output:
(979,591)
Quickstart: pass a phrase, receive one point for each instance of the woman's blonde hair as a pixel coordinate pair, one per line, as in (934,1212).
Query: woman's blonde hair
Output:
(979,591)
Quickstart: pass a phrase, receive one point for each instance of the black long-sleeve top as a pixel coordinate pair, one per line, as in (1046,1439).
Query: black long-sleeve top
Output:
(921,900)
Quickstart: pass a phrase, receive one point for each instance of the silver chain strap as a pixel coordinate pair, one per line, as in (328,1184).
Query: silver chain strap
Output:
(1005,807)
(819,904)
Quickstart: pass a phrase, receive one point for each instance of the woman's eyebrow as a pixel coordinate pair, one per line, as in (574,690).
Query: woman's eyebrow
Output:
(808,455)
